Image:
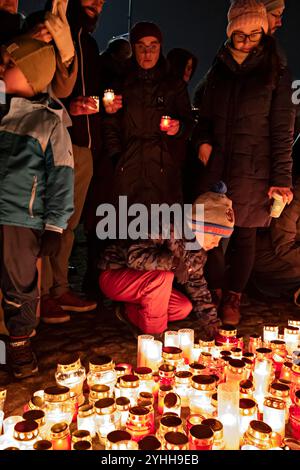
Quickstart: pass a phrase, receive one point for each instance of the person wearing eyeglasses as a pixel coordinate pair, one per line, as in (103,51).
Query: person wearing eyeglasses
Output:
(244,137)
(275,9)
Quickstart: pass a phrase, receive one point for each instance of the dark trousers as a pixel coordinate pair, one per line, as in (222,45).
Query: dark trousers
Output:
(19,248)
(240,257)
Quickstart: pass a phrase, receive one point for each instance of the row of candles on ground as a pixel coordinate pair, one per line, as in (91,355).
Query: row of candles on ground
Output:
(231,398)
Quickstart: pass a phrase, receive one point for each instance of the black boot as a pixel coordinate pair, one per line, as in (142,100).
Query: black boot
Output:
(21,358)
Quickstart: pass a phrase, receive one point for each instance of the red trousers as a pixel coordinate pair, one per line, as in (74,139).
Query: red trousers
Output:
(151,302)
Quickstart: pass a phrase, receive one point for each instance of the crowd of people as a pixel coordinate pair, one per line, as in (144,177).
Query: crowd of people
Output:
(64,152)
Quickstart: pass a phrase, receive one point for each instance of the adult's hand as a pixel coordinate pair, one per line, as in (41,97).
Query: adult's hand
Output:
(204,153)
(286,193)
(40,32)
(111,107)
(173,127)
(83,105)
(59,29)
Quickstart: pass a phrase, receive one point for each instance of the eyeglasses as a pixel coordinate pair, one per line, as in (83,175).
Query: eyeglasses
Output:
(144,49)
(241,37)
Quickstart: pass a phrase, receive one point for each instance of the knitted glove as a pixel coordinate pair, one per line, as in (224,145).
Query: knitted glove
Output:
(59,29)
(50,243)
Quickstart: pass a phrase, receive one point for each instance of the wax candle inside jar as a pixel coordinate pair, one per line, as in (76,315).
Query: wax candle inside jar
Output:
(217,428)
(295,416)
(39,417)
(248,413)
(176,441)
(171,338)
(165,123)
(144,343)
(172,403)
(9,425)
(109,95)
(79,436)
(86,419)
(274,414)
(60,437)
(26,435)
(186,343)
(70,373)
(147,383)
(270,334)
(291,338)
(228,413)
(120,440)
(102,372)
(201,437)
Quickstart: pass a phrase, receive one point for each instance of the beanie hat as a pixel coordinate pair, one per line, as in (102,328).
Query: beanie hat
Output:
(249,13)
(35,59)
(143,29)
(272,5)
(217,217)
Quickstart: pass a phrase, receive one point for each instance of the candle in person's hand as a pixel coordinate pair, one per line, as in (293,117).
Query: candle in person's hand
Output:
(165,123)
(109,96)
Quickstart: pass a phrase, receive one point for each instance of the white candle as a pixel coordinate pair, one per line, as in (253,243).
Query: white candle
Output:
(270,333)
(261,379)
(9,425)
(196,352)
(291,338)
(171,339)
(274,414)
(154,355)
(109,95)
(228,413)
(144,342)
(186,343)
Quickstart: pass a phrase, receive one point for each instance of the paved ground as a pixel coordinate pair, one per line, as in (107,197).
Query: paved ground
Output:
(101,333)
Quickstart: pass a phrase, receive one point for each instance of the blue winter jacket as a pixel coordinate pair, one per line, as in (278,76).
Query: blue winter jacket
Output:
(36,166)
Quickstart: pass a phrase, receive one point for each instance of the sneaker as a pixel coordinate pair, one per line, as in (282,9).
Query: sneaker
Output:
(231,314)
(21,359)
(52,313)
(73,303)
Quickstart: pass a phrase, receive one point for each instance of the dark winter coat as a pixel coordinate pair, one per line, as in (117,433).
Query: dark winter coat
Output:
(146,171)
(161,255)
(247,115)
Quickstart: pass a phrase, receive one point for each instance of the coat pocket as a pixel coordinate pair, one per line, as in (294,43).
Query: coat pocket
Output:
(33,196)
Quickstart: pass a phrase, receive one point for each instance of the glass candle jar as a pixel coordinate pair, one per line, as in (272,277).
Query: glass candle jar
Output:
(39,417)
(203,386)
(165,123)
(169,423)
(166,374)
(270,334)
(173,357)
(70,373)
(192,420)
(279,355)
(227,337)
(86,419)
(172,403)
(248,413)
(246,389)
(197,369)
(207,346)
(196,352)
(183,387)
(123,405)
(118,440)
(236,371)
(150,443)
(217,428)
(274,413)
(60,437)
(79,436)
(259,435)
(139,423)
(2,398)
(286,371)
(295,416)
(255,342)
(107,418)
(9,425)
(281,391)
(129,388)
(236,353)
(201,437)
(144,375)
(171,338)
(102,372)
(295,378)
(97,392)
(176,441)
(291,338)
(43,445)
(120,371)
(58,406)
(263,375)
(26,434)
(206,359)
(163,391)
(186,343)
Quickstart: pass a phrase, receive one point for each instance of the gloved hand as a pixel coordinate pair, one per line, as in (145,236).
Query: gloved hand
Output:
(50,243)
(59,29)
(181,272)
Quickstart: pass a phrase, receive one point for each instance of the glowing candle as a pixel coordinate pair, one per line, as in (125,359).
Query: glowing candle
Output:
(9,425)
(109,96)
(176,441)
(291,338)
(144,343)
(171,339)
(60,437)
(165,123)
(294,323)
(71,374)
(196,352)
(154,355)
(248,412)
(274,414)
(186,343)
(172,403)
(86,419)
(26,434)
(270,334)
(261,379)
(120,440)
(228,413)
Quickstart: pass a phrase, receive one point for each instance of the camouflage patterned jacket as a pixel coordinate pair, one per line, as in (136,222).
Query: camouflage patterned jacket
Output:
(163,255)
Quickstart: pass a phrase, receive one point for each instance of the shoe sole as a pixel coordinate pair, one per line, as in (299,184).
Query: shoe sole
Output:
(70,308)
(26,375)
(54,321)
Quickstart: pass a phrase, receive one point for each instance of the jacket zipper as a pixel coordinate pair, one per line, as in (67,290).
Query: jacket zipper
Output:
(83,86)
(33,195)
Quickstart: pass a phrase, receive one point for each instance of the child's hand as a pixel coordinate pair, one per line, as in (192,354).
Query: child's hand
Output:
(83,105)
(204,153)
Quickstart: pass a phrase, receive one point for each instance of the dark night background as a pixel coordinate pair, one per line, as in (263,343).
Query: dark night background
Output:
(197,25)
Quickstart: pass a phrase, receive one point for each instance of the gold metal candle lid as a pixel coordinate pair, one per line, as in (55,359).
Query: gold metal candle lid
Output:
(275,403)
(129,381)
(165,389)
(26,430)
(294,323)
(69,365)
(247,407)
(195,418)
(259,430)
(59,431)
(118,436)
(204,382)
(183,377)
(85,410)
(35,415)
(216,426)
(145,399)
(101,364)
(99,391)
(228,331)
(202,432)
(105,406)
(291,330)
(171,353)
(149,443)
(271,328)
(236,352)
(82,445)
(237,366)
(207,344)
(36,403)
(296,368)
(139,414)
(249,355)
(279,390)
(205,358)
(81,435)
(277,344)
(56,393)
(214,400)
(170,423)
(166,370)
(297,398)
(225,353)
(196,368)
(246,386)
(263,353)
(143,373)
(42,445)
(123,403)
(172,399)
(120,371)
(175,438)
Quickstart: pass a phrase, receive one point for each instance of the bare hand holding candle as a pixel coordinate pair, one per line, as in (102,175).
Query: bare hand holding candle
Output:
(112,102)
(169,125)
